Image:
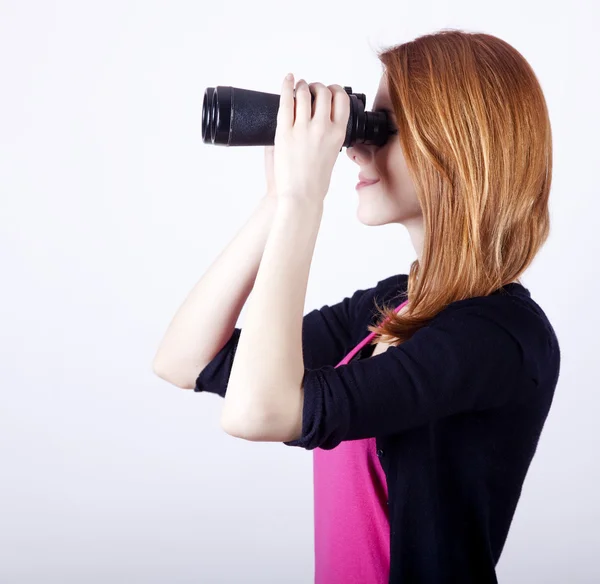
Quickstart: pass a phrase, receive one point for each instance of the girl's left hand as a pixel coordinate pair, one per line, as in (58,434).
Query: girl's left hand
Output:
(306,147)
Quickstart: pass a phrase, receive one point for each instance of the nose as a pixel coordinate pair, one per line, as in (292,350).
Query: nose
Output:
(361,154)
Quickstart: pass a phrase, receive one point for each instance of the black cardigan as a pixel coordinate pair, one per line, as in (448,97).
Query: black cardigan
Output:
(457,412)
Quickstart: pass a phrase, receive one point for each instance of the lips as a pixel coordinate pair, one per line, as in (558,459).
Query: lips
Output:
(366,180)
(366,183)
(362,185)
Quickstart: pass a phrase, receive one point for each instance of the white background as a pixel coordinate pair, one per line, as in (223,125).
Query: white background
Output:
(111,209)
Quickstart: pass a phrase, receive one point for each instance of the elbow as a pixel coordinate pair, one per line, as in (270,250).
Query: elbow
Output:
(231,428)
(252,426)
(173,375)
(264,425)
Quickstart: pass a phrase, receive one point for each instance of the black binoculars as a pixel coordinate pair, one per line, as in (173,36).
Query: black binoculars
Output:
(241,117)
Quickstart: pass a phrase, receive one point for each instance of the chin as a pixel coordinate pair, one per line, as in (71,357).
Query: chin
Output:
(373,216)
(384,212)
(377,211)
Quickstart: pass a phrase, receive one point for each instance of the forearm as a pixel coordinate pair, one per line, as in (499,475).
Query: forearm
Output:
(208,316)
(268,367)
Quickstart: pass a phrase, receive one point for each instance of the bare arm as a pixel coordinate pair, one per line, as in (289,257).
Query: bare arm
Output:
(265,396)
(208,316)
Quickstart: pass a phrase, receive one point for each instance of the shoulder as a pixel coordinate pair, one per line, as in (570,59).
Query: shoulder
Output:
(515,309)
(514,316)
(392,289)
(399,281)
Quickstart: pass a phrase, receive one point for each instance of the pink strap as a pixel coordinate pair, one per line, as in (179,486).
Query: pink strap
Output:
(360,345)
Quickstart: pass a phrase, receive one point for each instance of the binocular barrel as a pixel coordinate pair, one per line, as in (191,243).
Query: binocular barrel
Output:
(232,116)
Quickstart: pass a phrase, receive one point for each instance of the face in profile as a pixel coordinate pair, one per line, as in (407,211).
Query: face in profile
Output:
(393,198)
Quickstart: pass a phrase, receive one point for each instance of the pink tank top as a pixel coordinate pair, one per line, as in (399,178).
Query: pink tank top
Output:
(352,528)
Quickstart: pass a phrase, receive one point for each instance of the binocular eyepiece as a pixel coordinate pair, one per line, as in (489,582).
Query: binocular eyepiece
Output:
(241,117)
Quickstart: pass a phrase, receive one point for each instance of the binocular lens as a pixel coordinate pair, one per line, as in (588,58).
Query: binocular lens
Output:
(206,117)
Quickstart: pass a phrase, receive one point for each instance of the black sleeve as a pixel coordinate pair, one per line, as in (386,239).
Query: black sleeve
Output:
(326,336)
(465,359)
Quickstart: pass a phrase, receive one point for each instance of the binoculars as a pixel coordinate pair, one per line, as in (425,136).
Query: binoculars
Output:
(232,116)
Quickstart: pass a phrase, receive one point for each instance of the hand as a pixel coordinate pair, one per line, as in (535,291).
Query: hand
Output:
(306,147)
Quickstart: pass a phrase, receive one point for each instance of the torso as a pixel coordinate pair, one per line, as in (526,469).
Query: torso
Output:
(382,347)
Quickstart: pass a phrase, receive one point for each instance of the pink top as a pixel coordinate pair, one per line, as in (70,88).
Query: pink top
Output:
(352,529)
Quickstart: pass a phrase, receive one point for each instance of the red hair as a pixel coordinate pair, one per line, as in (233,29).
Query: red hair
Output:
(475,132)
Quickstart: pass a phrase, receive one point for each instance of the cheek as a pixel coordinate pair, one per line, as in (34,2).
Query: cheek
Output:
(396,173)
(398,183)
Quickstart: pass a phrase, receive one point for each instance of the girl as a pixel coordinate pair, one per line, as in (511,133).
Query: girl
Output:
(422,431)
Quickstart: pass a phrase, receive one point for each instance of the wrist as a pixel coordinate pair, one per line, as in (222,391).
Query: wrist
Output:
(301,209)
(269,198)
(301,202)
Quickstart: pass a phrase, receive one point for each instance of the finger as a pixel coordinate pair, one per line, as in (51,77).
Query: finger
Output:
(285,113)
(321,109)
(303,103)
(340,110)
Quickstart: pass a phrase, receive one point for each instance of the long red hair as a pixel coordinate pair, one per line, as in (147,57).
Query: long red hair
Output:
(475,132)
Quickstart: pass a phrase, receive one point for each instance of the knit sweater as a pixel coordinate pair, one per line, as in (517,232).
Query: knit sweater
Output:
(456,413)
